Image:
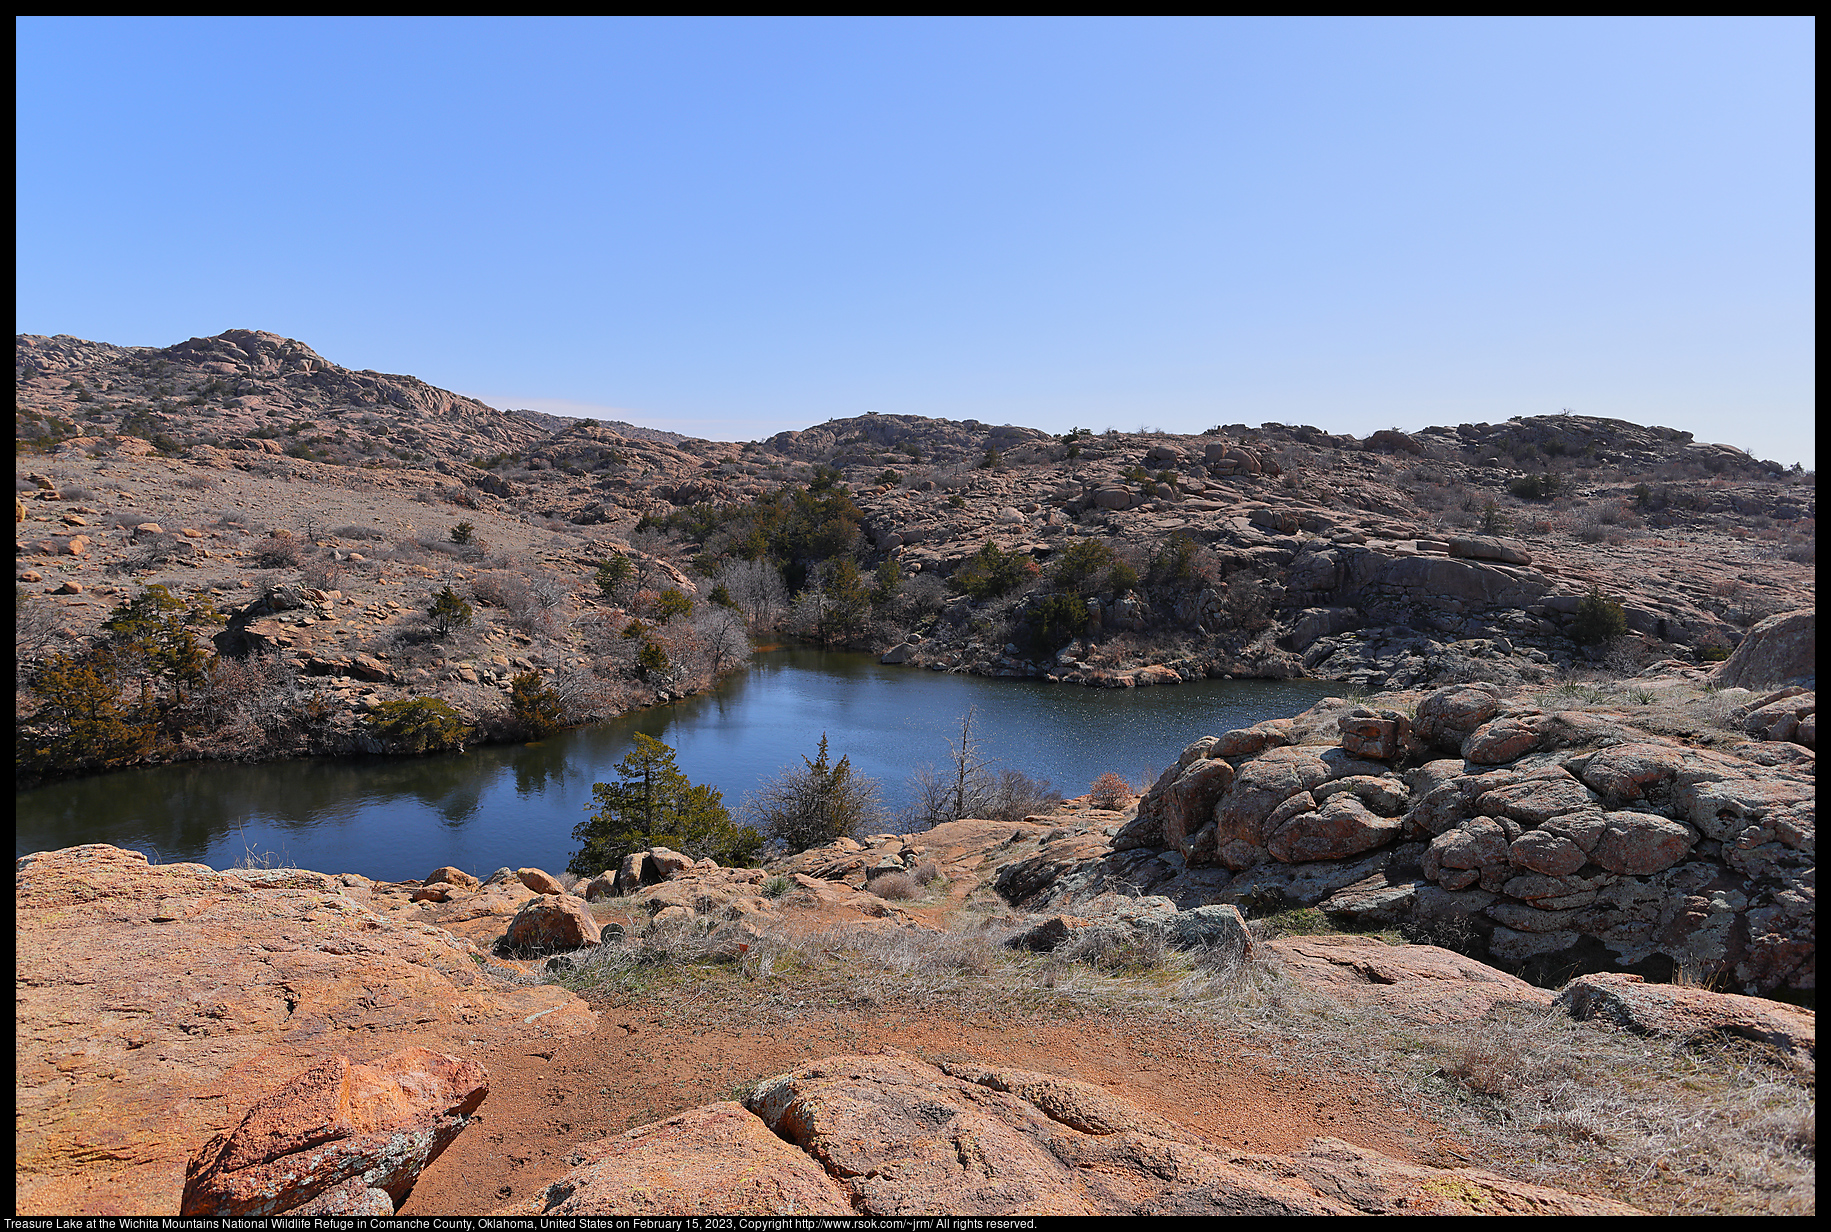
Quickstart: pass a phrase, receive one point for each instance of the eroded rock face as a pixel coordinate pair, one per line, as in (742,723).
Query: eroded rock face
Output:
(716,1160)
(1553,833)
(888,1135)
(200,992)
(339,1138)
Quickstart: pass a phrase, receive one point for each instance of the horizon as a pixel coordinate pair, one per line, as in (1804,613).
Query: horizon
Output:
(728,228)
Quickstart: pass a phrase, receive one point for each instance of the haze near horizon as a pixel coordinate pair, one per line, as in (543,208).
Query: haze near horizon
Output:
(731,227)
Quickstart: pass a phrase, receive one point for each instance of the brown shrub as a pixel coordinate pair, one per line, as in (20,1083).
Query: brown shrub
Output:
(278,553)
(1110,792)
(926,872)
(898,886)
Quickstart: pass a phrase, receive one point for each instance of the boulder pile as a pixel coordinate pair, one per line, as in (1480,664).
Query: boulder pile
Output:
(1551,841)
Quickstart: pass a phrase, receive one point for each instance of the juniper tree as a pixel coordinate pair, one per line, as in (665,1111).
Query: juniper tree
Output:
(652,804)
(821,802)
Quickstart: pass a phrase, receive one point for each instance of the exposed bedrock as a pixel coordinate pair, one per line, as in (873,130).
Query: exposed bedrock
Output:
(1548,842)
(889,1134)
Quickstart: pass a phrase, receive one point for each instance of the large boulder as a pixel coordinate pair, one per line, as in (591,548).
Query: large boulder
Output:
(552,922)
(1449,716)
(1380,734)
(1247,813)
(540,882)
(338,1138)
(456,878)
(1340,827)
(1178,809)
(1782,649)
(716,1160)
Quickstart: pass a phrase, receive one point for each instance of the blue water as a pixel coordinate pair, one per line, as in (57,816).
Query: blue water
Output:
(516,805)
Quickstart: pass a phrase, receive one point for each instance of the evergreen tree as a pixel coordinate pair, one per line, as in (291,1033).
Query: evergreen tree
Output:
(614,578)
(886,583)
(654,805)
(1599,619)
(824,801)
(537,708)
(849,601)
(448,612)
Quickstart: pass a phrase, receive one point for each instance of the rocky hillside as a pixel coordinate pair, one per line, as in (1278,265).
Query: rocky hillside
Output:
(1453,554)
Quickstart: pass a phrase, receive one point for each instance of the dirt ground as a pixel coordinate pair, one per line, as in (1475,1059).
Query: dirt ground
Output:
(644,1064)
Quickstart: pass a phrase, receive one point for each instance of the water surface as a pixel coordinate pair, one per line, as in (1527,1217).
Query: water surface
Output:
(516,805)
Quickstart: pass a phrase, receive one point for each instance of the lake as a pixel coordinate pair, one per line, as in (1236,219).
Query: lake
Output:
(516,805)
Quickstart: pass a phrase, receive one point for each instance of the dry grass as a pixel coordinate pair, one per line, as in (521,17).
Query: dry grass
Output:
(1672,1127)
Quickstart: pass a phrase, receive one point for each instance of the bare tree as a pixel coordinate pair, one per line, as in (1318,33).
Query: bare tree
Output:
(722,633)
(968,764)
(756,587)
(970,787)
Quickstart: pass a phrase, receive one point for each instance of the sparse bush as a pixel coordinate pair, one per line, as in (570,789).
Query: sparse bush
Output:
(815,805)
(503,588)
(279,552)
(776,885)
(926,873)
(322,572)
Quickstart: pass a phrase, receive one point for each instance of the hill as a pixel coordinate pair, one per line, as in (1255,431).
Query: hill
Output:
(320,511)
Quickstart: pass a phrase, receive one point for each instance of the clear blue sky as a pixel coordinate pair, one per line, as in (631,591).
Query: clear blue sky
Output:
(731,227)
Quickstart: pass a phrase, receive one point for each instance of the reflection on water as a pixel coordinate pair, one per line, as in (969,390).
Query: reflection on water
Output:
(516,805)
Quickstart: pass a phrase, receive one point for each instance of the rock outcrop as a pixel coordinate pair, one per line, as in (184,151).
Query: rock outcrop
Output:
(1557,841)
(890,1135)
(199,992)
(338,1139)
(1694,1013)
